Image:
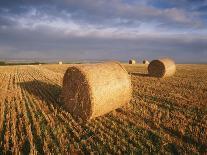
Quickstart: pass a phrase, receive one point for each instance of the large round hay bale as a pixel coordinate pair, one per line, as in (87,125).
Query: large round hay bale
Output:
(92,90)
(162,67)
(60,62)
(145,62)
(131,61)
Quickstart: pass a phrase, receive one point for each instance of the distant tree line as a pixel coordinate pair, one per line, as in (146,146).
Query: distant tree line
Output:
(3,63)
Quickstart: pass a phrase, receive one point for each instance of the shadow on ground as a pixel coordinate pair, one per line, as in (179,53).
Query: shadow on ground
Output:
(140,74)
(47,92)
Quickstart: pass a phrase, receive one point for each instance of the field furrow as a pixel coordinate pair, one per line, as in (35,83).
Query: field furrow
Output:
(164,116)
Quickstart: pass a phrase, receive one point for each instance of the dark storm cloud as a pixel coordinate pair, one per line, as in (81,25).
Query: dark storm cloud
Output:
(102,11)
(184,4)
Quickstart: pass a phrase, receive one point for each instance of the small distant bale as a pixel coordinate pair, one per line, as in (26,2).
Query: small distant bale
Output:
(162,68)
(131,61)
(145,62)
(60,62)
(40,64)
(92,90)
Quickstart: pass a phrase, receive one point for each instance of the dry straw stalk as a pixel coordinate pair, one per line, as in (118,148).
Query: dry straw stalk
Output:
(162,68)
(92,90)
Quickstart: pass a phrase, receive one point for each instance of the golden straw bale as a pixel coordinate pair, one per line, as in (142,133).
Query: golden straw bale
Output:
(60,62)
(131,61)
(162,67)
(92,90)
(145,62)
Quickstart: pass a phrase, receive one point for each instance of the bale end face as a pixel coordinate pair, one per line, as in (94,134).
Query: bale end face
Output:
(156,68)
(76,94)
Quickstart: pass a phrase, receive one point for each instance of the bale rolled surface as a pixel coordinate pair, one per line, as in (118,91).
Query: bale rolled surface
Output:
(132,61)
(93,90)
(162,68)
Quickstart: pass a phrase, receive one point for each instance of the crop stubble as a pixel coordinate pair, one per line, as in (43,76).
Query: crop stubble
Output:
(165,115)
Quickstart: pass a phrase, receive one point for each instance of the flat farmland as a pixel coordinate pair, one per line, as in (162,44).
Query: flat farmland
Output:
(164,116)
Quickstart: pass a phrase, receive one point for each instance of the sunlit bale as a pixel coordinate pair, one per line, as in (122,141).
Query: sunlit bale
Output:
(92,90)
(60,62)
(162,68)
(145,62)
(131,61)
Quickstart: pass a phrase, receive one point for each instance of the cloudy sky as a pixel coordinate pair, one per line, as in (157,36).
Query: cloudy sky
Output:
(104,29)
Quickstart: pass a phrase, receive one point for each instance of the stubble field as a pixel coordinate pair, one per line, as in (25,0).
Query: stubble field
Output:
(165,115)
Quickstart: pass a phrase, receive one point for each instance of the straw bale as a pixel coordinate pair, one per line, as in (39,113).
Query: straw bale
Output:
(92,90)
(162,67)
(145,62)
(131,61)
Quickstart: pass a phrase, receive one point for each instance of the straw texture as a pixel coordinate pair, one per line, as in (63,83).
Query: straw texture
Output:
(92,90)
(162,68)
(132,61)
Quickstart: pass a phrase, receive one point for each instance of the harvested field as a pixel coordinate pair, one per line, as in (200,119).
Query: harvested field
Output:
(165,115)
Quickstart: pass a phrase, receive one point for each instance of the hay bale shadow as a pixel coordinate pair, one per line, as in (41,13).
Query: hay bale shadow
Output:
(140,74)
(50,93)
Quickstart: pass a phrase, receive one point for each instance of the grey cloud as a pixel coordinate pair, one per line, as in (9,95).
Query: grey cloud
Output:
(188,5)
(100,11)
(5,21)
(55,45)
(105,12)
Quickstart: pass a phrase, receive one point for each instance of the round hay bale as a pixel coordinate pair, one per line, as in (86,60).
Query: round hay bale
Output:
(162,67)
(92,90)
(145,62)
(131,61)
(60,62)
